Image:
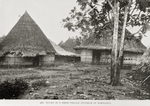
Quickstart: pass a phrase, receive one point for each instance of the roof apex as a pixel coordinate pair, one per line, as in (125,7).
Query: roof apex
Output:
(26,35)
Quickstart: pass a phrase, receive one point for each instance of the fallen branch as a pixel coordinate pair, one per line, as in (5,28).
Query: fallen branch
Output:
(145,79)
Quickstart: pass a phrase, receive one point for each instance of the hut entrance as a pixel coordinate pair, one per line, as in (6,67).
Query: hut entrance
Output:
(36,60)
(96,56)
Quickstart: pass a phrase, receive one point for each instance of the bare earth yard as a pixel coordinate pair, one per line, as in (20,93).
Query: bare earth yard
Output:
(74,82)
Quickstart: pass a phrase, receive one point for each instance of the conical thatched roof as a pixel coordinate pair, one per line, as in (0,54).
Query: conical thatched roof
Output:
(60,43)
(61,51)
(26,38)
(69,44)
(103,41)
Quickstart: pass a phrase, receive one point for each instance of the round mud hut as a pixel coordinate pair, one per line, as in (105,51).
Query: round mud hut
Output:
(26,44)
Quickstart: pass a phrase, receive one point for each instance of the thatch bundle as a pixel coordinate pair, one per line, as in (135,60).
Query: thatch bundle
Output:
(26,38)
(146,56)
(145,62)
(143,70)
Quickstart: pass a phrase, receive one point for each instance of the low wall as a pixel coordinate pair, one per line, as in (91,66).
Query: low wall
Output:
(16,61)
(105,57)
(47,60)
(59,58)
(86,56)
(26,61)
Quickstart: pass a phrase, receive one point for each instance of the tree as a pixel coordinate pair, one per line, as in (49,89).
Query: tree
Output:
(117,53)
(93,16)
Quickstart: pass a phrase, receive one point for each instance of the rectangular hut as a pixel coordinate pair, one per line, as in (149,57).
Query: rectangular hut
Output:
(62,55)
(96,49)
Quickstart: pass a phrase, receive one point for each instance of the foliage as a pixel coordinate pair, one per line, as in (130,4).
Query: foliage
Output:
(93,15)
(12,89)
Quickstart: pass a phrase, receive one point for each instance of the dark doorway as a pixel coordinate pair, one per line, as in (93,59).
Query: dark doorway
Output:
(96,56)
(36,60)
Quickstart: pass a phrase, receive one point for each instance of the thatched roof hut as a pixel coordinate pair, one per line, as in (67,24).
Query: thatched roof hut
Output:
(26,44)
(61,51)
(64,55)
(69,44)
(26,38)
(103,41)
(97,48)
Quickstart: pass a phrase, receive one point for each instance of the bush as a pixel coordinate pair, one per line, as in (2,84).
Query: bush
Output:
(12,89)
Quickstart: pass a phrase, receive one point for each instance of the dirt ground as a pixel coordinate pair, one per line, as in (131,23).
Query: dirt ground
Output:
(75,82)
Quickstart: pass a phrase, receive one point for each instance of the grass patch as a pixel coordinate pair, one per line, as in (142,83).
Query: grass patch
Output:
(16,72)
(34,77)
(39,83)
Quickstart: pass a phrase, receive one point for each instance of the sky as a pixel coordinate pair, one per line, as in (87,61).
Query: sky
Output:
(48,14)
(146,37)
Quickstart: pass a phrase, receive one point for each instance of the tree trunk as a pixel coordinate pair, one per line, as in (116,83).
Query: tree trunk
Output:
(120,58)
(114,53)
